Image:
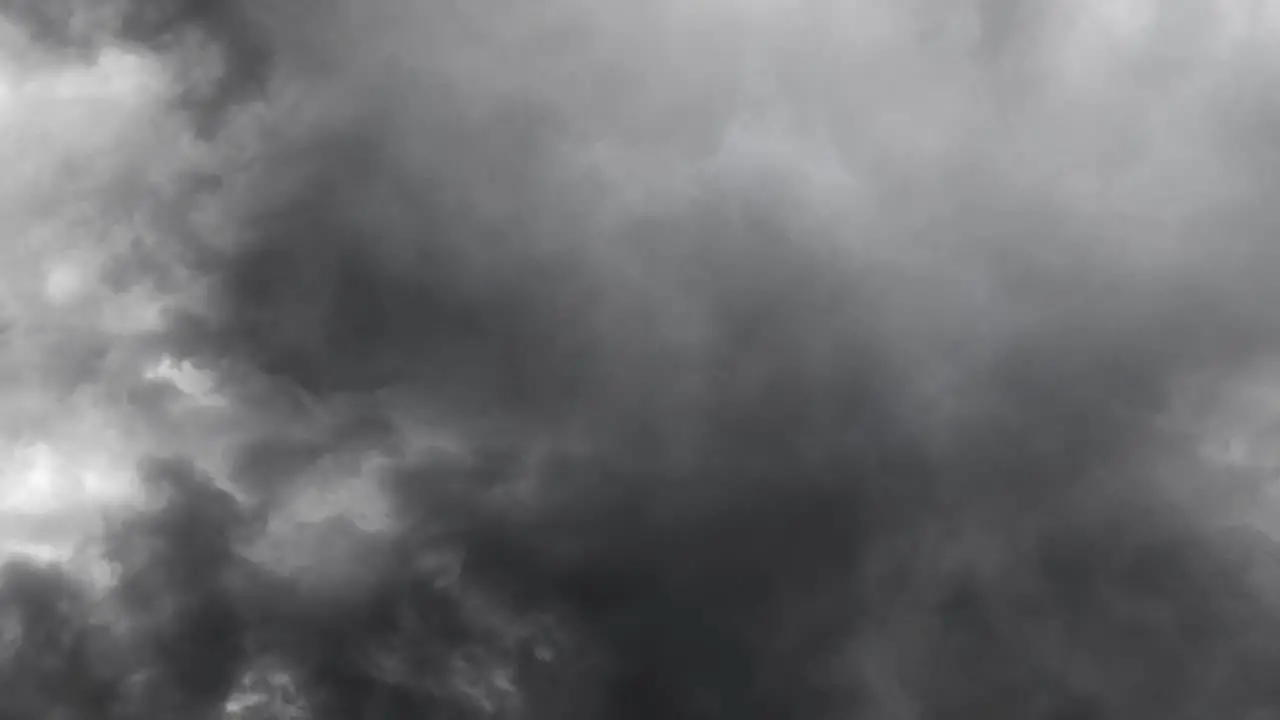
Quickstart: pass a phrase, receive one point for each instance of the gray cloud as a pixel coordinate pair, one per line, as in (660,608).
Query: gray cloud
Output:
(810,358)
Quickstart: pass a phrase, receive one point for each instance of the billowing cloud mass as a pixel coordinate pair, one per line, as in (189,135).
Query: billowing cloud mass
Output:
(701,359)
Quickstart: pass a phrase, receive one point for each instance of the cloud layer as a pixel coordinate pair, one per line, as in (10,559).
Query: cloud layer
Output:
(805,358)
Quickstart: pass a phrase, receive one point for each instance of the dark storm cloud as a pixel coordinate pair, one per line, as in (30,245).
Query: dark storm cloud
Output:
(807,360)
(744,371)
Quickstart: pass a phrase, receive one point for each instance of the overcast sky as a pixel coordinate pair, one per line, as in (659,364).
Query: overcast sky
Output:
(936,310)
(1121,149)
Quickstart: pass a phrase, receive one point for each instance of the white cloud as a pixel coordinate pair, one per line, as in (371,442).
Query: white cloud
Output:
(74,140)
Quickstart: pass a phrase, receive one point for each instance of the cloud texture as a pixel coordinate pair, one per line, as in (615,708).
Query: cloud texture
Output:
(791,359)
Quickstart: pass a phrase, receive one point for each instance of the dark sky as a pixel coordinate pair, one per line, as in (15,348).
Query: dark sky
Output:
(846,357)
